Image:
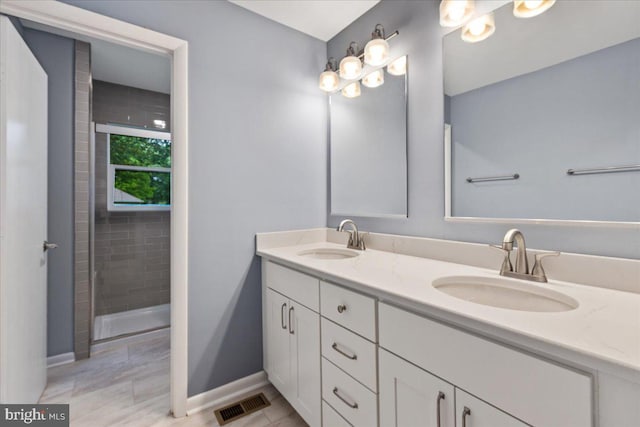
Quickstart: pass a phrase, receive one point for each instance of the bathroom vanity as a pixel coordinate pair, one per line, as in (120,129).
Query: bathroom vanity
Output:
(369,338)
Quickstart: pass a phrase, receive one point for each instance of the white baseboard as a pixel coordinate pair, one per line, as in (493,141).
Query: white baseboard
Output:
(227,393)
(60,359)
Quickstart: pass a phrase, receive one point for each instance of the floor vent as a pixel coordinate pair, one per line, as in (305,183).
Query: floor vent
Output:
(240,409)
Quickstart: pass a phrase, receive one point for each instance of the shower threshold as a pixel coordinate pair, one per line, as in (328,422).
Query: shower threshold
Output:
(131,321)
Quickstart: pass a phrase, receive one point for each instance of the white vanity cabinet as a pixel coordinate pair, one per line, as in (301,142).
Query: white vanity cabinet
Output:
(292,339)
(410,396)
(529,388)
(349,355)
(473,412)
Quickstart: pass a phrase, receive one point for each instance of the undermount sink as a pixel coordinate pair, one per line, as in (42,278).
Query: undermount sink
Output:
(505,293)
(328,253)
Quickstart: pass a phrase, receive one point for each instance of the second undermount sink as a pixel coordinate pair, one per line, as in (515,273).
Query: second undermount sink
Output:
(505,293)
(328,253)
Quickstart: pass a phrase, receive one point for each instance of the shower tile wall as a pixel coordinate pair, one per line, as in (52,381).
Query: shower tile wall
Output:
(131,248)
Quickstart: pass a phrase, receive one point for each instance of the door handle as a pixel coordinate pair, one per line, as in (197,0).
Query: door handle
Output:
(465,413)
(48,245)
(440,397)
(291,331)
(282,309)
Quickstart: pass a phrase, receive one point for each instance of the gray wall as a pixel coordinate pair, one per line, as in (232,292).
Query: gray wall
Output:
(56,55)
(421,37)
(131,248)
(582,113)
(257,162)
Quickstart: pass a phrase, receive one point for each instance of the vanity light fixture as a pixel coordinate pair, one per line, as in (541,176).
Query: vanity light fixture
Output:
(351,90)
(376,51)
(374,79)
(479,29)
(329,80)
(531,8)
(351,66)
(398,67)
(454,13)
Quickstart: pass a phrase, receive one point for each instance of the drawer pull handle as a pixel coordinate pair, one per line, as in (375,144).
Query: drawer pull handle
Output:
(347,355)
(342,308)
(346,402)
(282,309)
(465,412)
(291,331)
(440,397)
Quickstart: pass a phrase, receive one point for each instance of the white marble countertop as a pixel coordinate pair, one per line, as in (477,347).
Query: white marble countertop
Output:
(603,333)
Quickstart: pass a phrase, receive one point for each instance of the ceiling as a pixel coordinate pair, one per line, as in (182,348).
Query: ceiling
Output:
(520,46)
(321,19)
(119,64)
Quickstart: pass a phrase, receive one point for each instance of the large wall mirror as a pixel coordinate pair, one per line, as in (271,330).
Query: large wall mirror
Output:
(542,119)
(369,150)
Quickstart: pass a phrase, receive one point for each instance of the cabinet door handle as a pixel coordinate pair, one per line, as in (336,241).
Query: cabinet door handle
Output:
(282,309)
(440,397)
(342,308)
(465,412)
(346,402)
(291,331)
(347,355)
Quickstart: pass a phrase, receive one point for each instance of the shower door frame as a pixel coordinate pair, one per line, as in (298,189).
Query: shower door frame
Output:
(87,23)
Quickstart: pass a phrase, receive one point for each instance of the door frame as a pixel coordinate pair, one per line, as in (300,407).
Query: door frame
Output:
(84,22)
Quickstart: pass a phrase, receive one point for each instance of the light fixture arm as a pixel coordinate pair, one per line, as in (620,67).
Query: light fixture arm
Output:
(378,32)
(352,49)
(332,64)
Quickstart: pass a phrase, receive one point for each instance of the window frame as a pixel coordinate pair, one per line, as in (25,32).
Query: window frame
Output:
(112,168)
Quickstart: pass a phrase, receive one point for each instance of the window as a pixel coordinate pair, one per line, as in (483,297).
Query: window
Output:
(139,169)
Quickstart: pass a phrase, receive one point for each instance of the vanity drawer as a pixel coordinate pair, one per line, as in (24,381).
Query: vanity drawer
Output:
(352,353)
(352,310)
(330,418)
(532,389)
(297,286)
(348,397)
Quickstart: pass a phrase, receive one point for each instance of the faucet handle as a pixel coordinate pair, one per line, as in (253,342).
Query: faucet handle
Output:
(506,264)
(538,270)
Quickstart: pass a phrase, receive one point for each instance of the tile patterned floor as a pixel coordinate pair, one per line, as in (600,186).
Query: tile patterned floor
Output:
(127,384)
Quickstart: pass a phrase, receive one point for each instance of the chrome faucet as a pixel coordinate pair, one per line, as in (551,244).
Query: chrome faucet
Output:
(521,270)
(356,241)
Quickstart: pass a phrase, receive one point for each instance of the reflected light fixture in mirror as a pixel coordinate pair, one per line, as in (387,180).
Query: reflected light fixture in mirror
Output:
(329,80)
(376,51)
(351,66)
(398,67)
(479,29)
(531,8)
(374,79)
(351,90)
(454,13)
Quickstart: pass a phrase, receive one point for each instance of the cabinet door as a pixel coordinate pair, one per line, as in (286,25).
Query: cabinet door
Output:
(278,357)
(473,412)
(305,363)
(410,396)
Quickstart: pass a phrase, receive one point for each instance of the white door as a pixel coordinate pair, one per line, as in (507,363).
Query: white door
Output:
(23,220)
(278,341)
(473,412)
(410,396)
(305,363)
